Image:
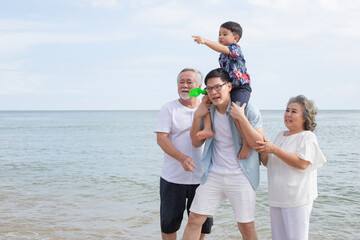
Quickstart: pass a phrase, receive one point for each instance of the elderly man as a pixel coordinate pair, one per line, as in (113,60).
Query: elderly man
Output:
(181,170)
(225,176)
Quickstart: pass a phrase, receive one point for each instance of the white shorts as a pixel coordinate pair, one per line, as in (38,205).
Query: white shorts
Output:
(290,223)
(217,188)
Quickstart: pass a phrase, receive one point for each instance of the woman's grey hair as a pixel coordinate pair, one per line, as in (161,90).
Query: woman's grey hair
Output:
(198,76)
(309,111)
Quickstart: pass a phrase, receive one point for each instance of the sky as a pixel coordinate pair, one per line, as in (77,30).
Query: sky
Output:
(125,55)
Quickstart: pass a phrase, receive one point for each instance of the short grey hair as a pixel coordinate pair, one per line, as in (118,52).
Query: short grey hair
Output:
(198,76)
(309,111)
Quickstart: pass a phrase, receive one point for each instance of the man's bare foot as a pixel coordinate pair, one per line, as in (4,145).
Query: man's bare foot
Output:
(204,134)
(244,152)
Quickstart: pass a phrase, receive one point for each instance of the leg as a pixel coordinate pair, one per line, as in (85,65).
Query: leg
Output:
(202,236)
(297,222)
(245,149)
(277,224)
(247,230)
(170,236)
(207,199)
(240,96)
(172,207)
(193,227)
(242,197)
(206,227)
(207,131)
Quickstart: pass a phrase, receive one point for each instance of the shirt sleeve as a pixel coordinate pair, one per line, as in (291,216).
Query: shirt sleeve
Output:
(254,117)
(309,150)
(235,51)
(163,123)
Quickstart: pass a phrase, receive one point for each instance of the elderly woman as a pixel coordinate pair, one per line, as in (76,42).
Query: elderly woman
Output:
(292,161)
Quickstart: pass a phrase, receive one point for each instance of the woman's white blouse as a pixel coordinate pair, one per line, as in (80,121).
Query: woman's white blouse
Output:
(289,186)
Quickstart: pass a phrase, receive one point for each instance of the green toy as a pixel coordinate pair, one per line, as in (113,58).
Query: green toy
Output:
(195,92)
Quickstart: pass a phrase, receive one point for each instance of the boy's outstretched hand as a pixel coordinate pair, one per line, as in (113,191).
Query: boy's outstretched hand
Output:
(199,40)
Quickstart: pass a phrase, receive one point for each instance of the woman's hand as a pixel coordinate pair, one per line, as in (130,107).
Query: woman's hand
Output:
(264,147)
(237,112)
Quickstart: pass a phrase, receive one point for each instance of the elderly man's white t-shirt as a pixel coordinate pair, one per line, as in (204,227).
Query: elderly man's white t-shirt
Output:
(176,120)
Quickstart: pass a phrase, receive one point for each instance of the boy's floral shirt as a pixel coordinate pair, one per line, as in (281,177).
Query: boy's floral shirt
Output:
(234,64)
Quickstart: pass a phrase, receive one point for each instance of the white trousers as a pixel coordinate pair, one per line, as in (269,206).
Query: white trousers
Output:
(290,223)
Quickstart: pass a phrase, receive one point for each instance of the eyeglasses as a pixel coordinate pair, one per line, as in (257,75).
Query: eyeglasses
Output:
(216,88)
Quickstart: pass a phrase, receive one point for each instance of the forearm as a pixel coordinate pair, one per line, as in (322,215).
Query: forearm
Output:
(168,147)
(217,47)
(291,159)
(195,128)
(249,132)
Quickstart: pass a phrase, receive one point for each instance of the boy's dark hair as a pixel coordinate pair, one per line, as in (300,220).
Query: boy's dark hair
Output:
(218,72)
(234,27)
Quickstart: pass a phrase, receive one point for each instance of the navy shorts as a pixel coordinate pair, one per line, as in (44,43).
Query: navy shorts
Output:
(172,206)
(241,94)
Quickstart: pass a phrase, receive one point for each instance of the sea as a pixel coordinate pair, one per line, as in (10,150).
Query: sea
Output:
(95,175)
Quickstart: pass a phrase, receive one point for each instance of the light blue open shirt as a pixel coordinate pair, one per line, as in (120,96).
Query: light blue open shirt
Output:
(250,165)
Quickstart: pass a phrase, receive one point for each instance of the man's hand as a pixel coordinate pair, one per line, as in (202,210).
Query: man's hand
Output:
(237,112)
(199,40)
(188,164)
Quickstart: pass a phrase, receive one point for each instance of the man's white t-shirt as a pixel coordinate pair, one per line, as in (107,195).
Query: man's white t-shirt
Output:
(289,186)
(176,120)
(224,159)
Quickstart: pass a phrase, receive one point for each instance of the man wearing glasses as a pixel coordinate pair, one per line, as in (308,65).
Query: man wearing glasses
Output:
(225,176)
(181,170)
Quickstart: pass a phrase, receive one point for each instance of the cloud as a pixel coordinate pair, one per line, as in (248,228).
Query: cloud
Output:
(348,90)
(129,66)
(16,81)
(298,5)
(12,44)
(277,4)
(131,43)
(18,36)
(339,5)
(331,5)
(105,4)
(16,25)
(175,20)
(304,22)
(168,14)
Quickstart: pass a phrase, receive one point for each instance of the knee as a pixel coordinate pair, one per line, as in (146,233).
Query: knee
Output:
(247,230)
(170,225)
(196,220)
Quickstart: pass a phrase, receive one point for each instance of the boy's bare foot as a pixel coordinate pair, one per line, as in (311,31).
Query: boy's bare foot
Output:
(244,152)
(204,134)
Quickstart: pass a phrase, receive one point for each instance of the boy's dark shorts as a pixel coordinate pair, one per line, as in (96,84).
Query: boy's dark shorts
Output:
(172,206)
(241,94)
